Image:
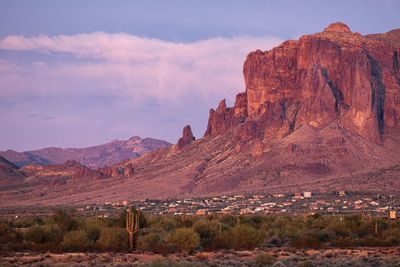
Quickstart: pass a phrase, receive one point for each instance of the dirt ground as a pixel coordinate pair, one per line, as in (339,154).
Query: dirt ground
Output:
(267,257)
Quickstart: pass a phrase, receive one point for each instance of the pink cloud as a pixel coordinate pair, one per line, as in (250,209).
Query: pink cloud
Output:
(132,66)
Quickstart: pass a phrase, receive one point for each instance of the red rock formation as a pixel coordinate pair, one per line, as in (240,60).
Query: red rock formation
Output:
(187,137)
(332,76)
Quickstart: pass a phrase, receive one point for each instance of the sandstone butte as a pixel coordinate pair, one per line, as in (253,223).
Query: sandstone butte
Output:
(320,113)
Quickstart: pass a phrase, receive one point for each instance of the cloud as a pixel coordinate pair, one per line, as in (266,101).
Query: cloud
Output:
(128,48)
(134,65)
(104,86)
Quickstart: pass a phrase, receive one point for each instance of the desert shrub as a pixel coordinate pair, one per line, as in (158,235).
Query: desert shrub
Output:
(114,239)
(23,222)
(339,229)
(154,242)
(245,237)
(44,234)
(392,236)
(93,230)
(184,221)
(291,229)
(75,241)
(183,239)
(65,221)
(208,231)
(38,221)
(229,220)
(310,238)
(253,220)
(279,223)
(168,224)
(7,235)
(382,224)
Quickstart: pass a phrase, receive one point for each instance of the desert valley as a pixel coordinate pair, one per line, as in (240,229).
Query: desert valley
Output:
(302,170)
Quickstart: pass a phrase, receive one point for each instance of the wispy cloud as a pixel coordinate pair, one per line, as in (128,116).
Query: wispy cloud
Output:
(135,65)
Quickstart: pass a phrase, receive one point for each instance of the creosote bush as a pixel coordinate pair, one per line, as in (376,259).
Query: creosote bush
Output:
(76,240)
(113,239)
(208,231)
(245,237)
(155,242)
(183,239)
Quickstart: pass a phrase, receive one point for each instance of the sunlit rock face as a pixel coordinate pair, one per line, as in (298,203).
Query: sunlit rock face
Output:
(333,76)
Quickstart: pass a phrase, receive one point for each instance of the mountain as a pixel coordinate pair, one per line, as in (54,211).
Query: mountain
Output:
(9,172)
(320,113)
(93,157)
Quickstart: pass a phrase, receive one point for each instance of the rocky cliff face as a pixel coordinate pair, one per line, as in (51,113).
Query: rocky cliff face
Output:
(333,76)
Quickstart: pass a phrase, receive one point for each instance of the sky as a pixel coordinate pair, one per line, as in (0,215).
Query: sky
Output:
(83,73)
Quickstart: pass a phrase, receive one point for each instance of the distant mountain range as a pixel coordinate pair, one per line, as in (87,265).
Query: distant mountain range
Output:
(9,172)
(93,157)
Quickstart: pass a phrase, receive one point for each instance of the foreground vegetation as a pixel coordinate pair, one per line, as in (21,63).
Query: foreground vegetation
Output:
(67,232)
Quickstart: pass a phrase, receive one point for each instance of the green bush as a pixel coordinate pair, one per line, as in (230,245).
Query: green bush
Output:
(65,221)
(44,234)
(252,220)
(113,239)
(168,224)
(229,220)
(308,239)
(154,242)
(392,236)
(245,237)
(183,239)
(75,241)
(208,231)
(23,222)
(93,230)
(185,221)
(8,236)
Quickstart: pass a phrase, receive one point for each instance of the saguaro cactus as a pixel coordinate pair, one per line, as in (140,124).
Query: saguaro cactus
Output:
(132,225)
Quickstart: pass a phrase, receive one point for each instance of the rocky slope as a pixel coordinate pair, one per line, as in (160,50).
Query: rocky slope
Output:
(320,113)
(93,157)
(9,173)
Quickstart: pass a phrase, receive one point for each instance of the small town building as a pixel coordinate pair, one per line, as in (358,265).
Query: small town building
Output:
(201,212)
(307,194)
(392,215)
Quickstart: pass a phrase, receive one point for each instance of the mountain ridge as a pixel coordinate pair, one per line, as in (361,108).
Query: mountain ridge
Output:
(93,156)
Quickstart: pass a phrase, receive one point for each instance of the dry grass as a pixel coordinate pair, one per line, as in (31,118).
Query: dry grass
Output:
(269,257)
